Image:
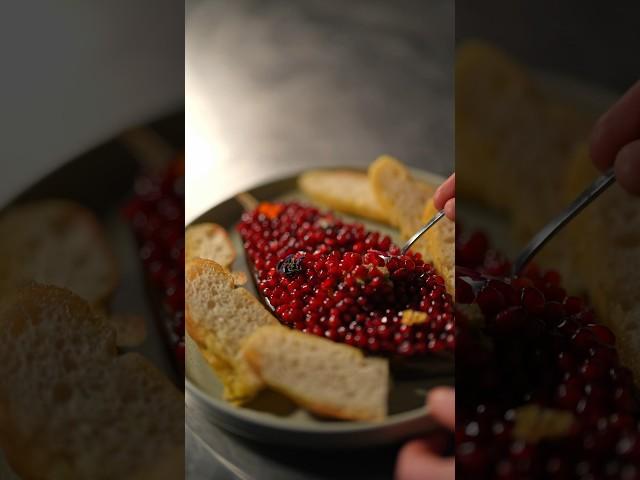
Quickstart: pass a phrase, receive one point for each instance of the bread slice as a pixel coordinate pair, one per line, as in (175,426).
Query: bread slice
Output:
(603,245)
(210,241)
(70,407)
(402,197)
(409,204)
(60,243)
(344,190)
(220,317)
(437,246)
(327,378)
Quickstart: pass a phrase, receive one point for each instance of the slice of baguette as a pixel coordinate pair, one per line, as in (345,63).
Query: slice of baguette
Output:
(60,243)
(327,378)
(70,407)
(438,246)
(409,204)
(402,197)
(344,190)
(209,241)
(219,318)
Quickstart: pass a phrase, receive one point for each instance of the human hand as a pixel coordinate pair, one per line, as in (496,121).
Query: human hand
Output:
(445,197)
(422,459)
(615,140)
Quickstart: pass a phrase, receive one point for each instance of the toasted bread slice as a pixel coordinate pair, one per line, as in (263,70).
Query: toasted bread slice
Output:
(402,197)
(438,246)
(219,318)
(409,204)
(209,241)
(344,190)
(327,378)
(70,407)
(60,243)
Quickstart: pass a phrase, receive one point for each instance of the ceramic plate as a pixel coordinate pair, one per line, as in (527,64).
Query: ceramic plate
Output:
(273,418)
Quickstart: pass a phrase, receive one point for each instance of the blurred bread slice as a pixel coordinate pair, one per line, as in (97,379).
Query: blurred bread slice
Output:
(327,378)
(70,407)
(401,196)
(513,135)
(60,243)
(437,246)
(492,94)
(209,241)
(529,157)
(603,244)
(344,190)
(219,317)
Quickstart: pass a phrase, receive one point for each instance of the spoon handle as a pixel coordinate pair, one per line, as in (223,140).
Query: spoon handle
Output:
(421,232)
(549,230)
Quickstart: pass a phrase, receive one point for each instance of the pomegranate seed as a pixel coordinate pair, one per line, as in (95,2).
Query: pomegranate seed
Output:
(328,274)
(533,300)
(542,348)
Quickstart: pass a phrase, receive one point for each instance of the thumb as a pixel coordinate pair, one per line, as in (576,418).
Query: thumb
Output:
(441,403)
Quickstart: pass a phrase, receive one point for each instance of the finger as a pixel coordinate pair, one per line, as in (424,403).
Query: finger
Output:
(619,126)
(627,167)
(441,403)
(417,462)
(445,192)
(450,209)
(438,442)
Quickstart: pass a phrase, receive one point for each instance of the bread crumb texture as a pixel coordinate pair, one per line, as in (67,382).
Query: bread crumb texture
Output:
(70,407)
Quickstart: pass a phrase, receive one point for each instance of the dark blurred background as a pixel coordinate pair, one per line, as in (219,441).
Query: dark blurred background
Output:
(597,42)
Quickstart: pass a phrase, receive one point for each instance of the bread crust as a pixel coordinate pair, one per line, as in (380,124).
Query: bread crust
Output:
(16,220)
(209,241)
(240,383)
(325,187)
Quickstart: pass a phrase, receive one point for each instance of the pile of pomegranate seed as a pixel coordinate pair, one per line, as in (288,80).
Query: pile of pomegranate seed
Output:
(524,341)
(330,278)
(156,215)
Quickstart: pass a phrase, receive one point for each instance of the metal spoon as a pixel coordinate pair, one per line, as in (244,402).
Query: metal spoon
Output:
(414,238)
(435,219)
(554,226)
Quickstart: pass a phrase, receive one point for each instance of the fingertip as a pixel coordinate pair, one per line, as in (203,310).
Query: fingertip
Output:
(441,394)
(416,461)
(410,460)
(441,402)
(450,209)
(437,198)
(627,167)
(599,148)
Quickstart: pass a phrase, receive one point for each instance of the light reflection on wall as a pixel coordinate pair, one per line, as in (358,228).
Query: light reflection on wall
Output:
(205,154)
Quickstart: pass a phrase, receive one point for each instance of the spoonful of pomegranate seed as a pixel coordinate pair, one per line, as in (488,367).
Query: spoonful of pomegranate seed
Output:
(555,225)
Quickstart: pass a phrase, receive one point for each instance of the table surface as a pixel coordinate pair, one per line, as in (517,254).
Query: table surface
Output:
(274,87)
